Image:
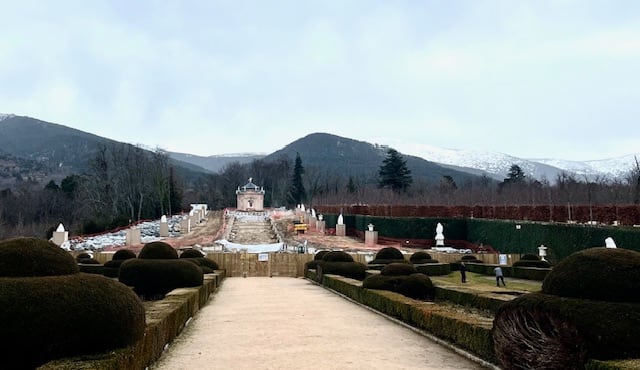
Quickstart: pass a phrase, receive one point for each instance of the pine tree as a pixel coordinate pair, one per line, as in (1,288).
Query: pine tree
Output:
(394,173)
(297,193)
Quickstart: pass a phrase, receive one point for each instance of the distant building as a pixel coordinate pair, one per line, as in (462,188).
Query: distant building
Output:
(250,197)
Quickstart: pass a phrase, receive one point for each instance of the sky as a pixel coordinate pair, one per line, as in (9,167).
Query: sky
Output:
(529,78)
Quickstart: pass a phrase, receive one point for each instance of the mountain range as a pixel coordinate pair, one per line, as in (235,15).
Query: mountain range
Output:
(35,143)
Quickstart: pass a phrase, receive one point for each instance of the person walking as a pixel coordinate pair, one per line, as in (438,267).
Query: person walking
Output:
(463,272)
(499,276)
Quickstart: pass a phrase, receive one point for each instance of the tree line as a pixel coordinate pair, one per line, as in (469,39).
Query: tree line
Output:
(125,183)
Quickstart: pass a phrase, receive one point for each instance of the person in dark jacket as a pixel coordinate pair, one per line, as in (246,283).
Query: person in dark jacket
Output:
(463,272)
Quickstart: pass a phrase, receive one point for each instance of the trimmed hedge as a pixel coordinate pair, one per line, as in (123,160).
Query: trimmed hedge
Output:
(421,258)
(158,250)
(337,256)
(398,269)
(434,269)
(34,257)
(204,263)
(318,256)
(388,255)
(45,318)
(191,253)
(542,331)
(155,278)
(532,263)
(354,270)
(123,254)
(112,268)
(88,261)
(606,274)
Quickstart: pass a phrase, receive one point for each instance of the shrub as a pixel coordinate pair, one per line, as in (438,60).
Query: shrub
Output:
(389,253)
(354,270)
(83,255)
(45,318)
(541,331)
(470,258)
(191,253)
(158,251)
(607,274)
(34,257)
(417,286)
(88,261)
(337,256)
(381,282)
(529,257)
(398,269)
(204,262)
(123,254)
(155,278)
(112,268)
(532,263)
(318,256)
(420,257)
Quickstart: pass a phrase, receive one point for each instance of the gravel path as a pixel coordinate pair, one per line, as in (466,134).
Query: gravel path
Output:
(288,323)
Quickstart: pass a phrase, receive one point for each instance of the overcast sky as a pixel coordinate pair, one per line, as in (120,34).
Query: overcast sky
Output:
(533,79)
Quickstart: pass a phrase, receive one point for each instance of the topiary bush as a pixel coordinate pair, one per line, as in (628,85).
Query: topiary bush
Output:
(207,265)
(112,268)
(158,251)
(470,258)
(34,257)
(152,279)
(123,254)
(419,258)
(83,255)
(353,270)
(36,307)
(605,274)
(398,269)
(191,253)
(312,265)
(542,331)
(532,263)
(88,261)
(530,257)
(388,255)
(318,256)
(417,286)
(337,256)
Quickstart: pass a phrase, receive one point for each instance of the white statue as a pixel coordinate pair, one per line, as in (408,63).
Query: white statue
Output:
(609,243)
(340,220)
(163,218)
(439,235)
(60,228)
(302,207)
(542,252)
(370,226)
(313,212)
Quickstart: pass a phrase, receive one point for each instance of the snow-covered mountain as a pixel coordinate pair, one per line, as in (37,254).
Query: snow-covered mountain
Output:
(496,165)
(4,116)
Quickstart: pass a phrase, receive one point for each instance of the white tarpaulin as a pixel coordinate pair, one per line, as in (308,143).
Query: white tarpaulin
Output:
(251,248)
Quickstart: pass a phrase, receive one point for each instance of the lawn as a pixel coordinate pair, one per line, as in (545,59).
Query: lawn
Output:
(486,283)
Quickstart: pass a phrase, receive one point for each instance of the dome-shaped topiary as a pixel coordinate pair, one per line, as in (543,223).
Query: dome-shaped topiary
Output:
(318,256)
(398,269)
(36,323)
(530,257)
(389,253)
(532,263)
(337,256)
(420,257)
(123,254)
(606,274)
(88,261)
(191,253)
(542,331)
(158,251)
(417,286)
(381,282)
(205,263)
(83,255)
(354,270)
(153,278)
(112,268)
(34,257)
(470,258)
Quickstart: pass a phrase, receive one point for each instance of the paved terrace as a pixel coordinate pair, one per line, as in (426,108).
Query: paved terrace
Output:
(291,323)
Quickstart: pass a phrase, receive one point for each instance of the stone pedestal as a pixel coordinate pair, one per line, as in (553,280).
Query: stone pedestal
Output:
(60,237)
(370,238)
(320,225)
(185,226)
(341,230)
(313,222)
(164,229)
(133,236)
